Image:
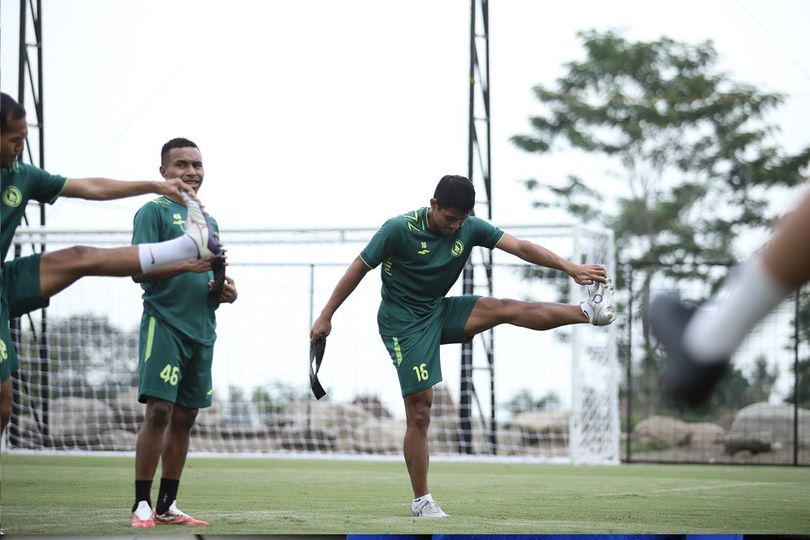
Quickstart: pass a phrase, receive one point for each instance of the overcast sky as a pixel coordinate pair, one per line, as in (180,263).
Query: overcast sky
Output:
(326,113)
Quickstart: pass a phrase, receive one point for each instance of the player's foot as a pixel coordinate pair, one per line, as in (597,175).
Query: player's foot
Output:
(599,306)
(175,516)
(142,517)
(199,227)
(684,378)
(427,508)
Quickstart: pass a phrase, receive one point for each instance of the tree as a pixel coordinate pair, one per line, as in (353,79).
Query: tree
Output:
(694,153)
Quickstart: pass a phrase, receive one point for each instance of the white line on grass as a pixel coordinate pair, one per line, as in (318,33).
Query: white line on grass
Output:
(691,488)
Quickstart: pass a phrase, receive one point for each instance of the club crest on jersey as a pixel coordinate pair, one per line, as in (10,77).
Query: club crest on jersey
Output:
(12,196)
(457,249)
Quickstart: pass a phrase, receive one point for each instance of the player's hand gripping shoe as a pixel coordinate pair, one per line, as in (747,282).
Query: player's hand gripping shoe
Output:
(142,517)
(198,226)
(427,508)
(175,516)
(685,379)
(599,306)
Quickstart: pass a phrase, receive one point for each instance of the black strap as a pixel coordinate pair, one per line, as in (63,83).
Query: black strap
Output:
(218,266)
(316,353)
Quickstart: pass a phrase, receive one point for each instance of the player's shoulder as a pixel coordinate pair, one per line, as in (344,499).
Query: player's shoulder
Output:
(475,222)
(27,171)
(155,207)
(415,220)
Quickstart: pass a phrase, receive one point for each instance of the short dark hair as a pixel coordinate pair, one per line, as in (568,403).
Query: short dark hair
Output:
(9,110)
(178,142)
(456,192)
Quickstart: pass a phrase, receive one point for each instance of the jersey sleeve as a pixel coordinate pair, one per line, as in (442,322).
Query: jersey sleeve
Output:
(485,234)
(381,244)
(146,225)
(46,187)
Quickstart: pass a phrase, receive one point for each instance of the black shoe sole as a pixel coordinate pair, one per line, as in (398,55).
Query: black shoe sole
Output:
(685,381)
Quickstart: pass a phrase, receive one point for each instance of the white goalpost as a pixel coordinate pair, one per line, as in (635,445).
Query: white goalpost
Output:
(556,392)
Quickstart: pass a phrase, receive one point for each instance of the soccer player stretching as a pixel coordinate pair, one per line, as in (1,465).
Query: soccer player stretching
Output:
(176,346)
(27,283)
(422,254)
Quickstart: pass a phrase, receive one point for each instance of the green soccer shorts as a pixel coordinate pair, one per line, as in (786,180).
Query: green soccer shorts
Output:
(21,294)
(173,368)
(416,354)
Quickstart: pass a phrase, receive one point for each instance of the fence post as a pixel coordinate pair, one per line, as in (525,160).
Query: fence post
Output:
(796,312)
(629,395)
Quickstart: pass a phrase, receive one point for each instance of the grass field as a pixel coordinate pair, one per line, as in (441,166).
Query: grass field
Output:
(93,495)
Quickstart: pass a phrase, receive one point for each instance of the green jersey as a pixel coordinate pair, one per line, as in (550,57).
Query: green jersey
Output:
(182,301)
(20,183)
(419,265)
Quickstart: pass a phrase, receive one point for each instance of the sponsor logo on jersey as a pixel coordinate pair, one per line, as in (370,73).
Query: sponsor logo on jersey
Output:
(424,250)
(12,196)
(458,249)
(178,220)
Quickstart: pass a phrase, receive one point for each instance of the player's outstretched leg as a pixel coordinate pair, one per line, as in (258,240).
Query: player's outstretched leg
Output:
(685,378)
(199,228)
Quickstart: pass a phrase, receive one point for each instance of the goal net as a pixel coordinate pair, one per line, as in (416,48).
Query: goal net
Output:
(555,393)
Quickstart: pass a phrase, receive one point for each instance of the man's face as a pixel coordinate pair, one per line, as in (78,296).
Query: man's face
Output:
(446,220)
(12,140)
(186,164)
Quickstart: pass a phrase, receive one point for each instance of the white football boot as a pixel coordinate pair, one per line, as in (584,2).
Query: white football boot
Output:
(599,306)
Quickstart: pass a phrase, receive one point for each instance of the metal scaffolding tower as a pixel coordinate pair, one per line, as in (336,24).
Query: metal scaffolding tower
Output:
(480,173)
(30,85)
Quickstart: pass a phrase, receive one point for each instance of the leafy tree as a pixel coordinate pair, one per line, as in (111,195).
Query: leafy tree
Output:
(693,150)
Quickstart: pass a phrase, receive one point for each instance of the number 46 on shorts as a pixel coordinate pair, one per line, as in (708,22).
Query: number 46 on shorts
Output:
(170,374)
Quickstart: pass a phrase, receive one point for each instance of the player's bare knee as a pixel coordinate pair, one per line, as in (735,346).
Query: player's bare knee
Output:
(183,419)
(419,416)
(501,310)
(158,414)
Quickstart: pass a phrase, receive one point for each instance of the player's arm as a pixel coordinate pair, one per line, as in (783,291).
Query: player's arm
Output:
(583,274)
(105,189)
(175,269)
(347,284)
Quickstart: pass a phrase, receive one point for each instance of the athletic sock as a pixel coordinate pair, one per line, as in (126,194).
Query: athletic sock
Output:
(167,494)
(715,332)
(157,254)
(143,490)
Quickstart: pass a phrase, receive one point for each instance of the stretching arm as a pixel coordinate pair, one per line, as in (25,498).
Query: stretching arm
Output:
(583,274)
(105,189)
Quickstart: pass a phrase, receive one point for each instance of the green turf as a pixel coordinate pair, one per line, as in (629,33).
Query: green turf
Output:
(93,495)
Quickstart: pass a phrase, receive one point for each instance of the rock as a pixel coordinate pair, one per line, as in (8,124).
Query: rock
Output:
(661,432)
